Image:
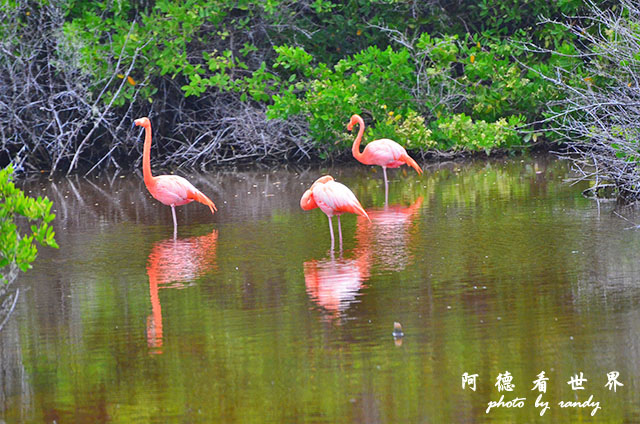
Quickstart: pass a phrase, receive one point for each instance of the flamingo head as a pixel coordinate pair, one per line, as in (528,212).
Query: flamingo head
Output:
(355,119)
(308,202)
(142,122)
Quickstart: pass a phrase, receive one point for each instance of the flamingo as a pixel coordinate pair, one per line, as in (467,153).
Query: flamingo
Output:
(333,198)
(384,152)
(171,190)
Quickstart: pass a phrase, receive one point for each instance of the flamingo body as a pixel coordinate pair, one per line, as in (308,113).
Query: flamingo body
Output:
(384,152)
(171,190)
(332,198)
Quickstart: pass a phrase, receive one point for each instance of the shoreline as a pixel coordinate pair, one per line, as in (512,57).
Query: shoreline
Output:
(427,159)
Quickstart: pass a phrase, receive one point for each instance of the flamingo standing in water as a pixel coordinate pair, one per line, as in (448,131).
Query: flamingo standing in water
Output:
(333,198)
(384,152)
(172,190)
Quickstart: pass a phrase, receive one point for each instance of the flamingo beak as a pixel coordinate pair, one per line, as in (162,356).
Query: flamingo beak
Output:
(133,124)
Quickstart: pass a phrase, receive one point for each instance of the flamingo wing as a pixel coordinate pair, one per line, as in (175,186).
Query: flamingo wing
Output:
(175,190)
(386,152)
(335,198)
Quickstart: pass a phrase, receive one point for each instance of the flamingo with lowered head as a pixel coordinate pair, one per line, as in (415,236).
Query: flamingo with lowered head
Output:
(384,152)
(333,198)
(171,190)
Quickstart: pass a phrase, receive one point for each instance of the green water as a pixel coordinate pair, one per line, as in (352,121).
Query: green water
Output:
(490,267)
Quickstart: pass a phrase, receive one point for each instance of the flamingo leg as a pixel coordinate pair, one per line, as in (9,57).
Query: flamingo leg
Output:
(331,232)
(340,232)
(175,222)
(386,185)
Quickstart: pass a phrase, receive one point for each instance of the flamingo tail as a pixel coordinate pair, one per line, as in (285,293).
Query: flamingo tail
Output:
(199,197)
(412,163)
(357,209)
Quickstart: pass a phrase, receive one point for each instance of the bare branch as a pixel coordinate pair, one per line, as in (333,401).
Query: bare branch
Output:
(599,117)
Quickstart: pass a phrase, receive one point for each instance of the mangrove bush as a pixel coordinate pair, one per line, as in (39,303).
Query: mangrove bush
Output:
(17,211)
(227,81)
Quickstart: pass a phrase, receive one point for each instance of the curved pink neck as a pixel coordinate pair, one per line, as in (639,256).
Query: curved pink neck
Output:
(355,149)
(146,157)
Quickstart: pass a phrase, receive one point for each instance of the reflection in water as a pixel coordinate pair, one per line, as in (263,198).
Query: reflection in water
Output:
(334,284)
(387,235)
(171,263)
(398,334)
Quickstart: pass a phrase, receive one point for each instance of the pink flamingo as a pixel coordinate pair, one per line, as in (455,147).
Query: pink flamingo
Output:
(172,190)
(333,198)
(384,152)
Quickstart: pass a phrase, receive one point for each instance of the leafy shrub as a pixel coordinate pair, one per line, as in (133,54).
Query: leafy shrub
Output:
(213,71)
(17,248)
(460,132)
(508,17)
(373,81)
(475,95)
(410,131)
(498,85)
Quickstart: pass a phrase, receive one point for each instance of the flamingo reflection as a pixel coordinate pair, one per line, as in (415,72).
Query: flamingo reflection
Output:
(334,284)
(388,233)
(171,264)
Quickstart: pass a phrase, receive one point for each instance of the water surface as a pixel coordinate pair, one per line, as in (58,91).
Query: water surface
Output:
(247,316)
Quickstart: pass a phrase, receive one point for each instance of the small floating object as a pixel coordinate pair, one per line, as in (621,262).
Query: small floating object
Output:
(397,330)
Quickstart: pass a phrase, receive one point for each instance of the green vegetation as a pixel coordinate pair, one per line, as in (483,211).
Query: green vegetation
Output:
(234,74)
(17,247)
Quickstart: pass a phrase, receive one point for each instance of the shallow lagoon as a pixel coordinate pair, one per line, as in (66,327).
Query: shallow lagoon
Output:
(491,267)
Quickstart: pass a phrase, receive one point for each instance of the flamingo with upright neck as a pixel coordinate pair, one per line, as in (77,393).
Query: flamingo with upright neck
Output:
(383,152)
(171,190)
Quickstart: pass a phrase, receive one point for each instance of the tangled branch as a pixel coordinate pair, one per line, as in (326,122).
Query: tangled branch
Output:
(58,118)
(599,116)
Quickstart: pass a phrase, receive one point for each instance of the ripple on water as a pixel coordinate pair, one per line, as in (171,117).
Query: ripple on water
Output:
(248,316)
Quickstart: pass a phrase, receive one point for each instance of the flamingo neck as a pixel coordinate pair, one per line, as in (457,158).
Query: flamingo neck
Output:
(154,328)
(355,149)
(146,157)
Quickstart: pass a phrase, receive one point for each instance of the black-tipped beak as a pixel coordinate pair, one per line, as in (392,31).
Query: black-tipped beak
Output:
(133,124)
